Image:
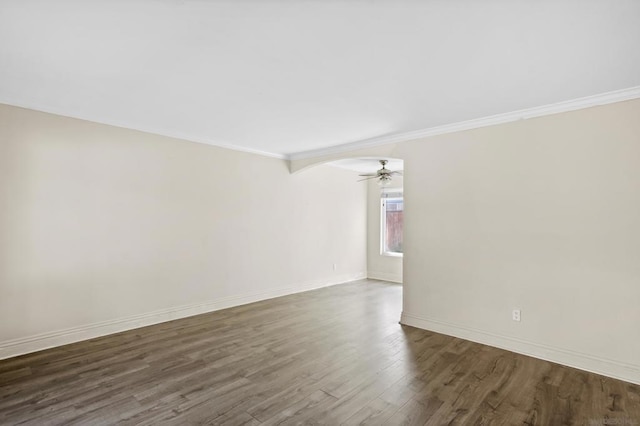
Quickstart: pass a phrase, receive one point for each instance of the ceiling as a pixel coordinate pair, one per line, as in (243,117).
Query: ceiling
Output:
(368,164)
(289,77)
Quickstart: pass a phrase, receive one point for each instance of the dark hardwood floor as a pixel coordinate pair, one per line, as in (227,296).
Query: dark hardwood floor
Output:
(331,356)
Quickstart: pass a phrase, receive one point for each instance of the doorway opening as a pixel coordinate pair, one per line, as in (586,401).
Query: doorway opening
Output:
(385,215)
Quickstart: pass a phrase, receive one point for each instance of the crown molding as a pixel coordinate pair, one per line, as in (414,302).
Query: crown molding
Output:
(523,114)
(153,131)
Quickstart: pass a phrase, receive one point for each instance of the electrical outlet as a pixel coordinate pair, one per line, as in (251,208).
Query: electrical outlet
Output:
(516,315)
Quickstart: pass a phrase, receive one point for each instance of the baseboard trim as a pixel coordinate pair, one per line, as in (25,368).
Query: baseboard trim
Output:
(34,343)
(384,276)
(606,367)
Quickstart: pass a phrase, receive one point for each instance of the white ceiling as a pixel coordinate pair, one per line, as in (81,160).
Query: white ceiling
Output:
(285,77)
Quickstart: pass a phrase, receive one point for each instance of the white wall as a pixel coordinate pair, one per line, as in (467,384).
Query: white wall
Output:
(380,267)
(541,215)
(104,229)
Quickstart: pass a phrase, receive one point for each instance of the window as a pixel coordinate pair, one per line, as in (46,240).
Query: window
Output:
(392,219)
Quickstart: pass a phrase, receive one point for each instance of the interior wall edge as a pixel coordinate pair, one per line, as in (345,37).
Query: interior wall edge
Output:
(606,367)
(25,345)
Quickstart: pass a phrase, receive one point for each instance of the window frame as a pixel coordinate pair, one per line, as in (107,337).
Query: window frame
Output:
(383,222)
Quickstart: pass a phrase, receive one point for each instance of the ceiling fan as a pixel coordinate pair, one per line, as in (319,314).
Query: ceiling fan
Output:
(383,175)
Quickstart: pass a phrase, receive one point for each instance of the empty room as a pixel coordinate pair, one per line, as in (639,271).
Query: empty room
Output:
(358,212)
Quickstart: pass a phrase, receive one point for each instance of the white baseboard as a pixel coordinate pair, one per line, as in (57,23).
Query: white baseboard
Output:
(384,276)
(606,367)
(21,346)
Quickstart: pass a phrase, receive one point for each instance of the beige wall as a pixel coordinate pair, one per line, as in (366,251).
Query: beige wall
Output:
(99,223)
(103,229)
(541,215)
(380,267)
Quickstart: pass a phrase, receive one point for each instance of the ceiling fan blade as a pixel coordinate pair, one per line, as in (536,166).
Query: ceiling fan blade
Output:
(367,178)
(397,173)
(369,174)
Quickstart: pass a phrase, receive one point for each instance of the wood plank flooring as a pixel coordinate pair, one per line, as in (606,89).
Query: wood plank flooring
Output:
(331,356)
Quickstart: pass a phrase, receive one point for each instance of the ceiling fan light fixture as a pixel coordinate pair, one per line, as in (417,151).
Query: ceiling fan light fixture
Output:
(383,176)
(384,180)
